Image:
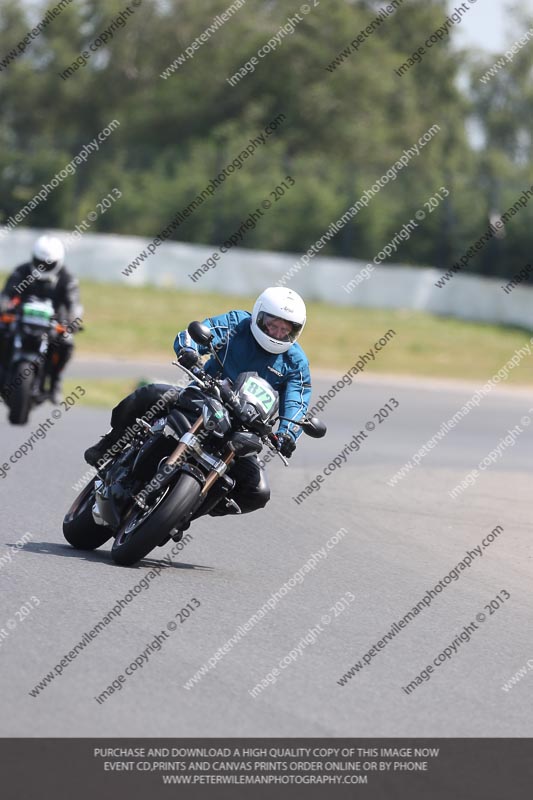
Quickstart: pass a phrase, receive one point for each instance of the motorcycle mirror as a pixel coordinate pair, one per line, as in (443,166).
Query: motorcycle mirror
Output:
(314,427)
(200,333)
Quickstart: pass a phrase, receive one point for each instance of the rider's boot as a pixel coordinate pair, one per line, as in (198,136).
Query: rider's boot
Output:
(56,390)
(99,451)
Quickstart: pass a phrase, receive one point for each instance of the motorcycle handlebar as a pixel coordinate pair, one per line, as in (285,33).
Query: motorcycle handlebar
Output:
(227,396)
(225,393)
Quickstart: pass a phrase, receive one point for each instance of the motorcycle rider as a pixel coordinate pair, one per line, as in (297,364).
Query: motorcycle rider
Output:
(46,278)
(264,341)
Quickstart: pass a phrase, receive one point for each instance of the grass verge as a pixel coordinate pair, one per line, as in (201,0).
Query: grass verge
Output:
(141,322)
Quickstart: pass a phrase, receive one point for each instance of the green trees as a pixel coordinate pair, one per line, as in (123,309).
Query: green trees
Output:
(344,127)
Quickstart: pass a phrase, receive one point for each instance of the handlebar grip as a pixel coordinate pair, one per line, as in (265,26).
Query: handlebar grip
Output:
(228,396)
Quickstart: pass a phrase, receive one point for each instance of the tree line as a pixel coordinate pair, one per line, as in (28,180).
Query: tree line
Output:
(162,68)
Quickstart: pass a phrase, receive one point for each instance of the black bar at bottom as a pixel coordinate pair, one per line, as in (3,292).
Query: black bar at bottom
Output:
(418,769)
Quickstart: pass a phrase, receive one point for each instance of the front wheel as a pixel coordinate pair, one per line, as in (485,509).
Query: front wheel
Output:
(145,529)
(20,400)
(79,528)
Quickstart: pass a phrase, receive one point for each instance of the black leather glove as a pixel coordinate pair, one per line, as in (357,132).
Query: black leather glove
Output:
(188,357)
(286,444)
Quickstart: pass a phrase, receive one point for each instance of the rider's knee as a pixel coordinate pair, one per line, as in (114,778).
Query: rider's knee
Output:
(262,496)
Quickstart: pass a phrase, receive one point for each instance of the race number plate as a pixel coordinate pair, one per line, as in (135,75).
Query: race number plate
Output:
(265,397)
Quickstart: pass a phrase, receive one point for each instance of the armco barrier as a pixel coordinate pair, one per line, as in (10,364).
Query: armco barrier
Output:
(102,257)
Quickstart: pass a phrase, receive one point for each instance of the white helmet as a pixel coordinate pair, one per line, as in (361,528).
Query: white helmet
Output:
(48,256)
(283,304)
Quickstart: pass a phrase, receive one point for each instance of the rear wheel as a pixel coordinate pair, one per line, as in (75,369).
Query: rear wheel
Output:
(145,529)
(20,400)
(79,528)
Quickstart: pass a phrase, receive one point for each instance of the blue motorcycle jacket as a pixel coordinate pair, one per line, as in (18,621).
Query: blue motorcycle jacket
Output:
(238,350)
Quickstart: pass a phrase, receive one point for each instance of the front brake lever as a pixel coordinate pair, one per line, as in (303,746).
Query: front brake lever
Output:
(275,450)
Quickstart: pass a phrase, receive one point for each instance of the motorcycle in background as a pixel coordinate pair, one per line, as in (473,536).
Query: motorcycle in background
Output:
(26,331)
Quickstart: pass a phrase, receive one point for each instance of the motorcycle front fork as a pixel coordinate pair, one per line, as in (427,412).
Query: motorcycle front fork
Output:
(181,449)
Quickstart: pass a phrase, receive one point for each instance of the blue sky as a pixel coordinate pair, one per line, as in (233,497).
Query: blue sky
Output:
(486,24)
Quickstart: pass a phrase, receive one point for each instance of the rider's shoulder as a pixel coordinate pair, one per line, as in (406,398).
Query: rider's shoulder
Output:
(22,268)
(238,317)
(295,357)
(66,272)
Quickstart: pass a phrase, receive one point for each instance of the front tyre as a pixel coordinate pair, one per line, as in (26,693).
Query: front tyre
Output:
(20,400)
(79,528)
(145,529)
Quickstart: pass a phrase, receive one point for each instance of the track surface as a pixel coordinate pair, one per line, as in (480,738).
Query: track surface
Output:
(400,541)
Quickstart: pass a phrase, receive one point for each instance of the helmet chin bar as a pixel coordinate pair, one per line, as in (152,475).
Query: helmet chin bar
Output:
(44,267)
(268,343)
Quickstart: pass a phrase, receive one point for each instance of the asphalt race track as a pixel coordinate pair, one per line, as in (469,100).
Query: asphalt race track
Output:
(399,541)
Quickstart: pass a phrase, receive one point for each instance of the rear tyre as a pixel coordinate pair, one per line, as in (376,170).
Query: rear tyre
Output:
(145,529)
(20,400)
(79,528)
